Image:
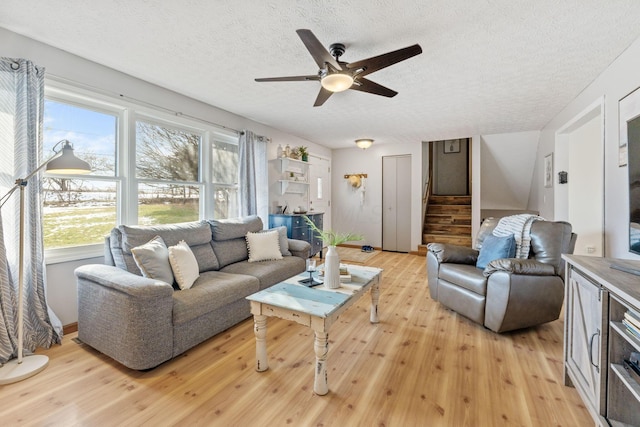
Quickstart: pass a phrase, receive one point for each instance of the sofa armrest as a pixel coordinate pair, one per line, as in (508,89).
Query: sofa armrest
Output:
(123,281)
(300,248)
(445,252)
(125,316)
(519,266)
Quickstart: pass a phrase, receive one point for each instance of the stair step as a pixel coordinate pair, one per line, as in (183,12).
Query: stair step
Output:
(450,200)
(449,209)
(459,219)
(458,230)
(444,238)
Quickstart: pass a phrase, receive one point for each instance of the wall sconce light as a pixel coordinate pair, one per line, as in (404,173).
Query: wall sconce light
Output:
(364,143)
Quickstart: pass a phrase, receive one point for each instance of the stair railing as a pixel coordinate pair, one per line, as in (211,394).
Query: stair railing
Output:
(425,199)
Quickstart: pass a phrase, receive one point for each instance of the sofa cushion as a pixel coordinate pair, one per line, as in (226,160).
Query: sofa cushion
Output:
(263,246)
(230,251)
(212,290)
(152,259)
(284,241)
(234,228)
(183,264)
(269,272)
(466,276)
(197,234)
(494,247)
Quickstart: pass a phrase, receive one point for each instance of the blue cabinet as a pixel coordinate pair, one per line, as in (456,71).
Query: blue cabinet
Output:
(297,228)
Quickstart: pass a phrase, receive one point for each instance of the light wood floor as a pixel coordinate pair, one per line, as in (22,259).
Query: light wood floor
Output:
(422,365)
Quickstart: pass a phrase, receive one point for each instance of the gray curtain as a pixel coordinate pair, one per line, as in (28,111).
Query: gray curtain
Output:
(21,117)
(253,191)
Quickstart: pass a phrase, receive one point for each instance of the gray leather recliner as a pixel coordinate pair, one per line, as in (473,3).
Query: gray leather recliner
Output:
(509,293)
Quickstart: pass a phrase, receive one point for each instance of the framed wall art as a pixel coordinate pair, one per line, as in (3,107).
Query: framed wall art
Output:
(628,109)
(548,170)
(451,146)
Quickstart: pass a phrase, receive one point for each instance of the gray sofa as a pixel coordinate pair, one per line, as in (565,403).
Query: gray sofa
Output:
(142,322)
(510,293)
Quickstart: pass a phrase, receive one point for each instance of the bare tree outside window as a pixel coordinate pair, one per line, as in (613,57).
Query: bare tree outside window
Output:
(224,176)
(166,156)
(79,211)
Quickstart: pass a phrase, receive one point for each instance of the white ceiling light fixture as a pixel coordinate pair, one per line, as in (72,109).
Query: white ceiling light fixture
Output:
(364,143)
(337,82)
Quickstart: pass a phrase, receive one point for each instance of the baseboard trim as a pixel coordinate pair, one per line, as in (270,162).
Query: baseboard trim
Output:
(70,328)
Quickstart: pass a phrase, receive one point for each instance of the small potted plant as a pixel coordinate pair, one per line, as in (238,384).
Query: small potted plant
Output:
(332,259)
(304,154)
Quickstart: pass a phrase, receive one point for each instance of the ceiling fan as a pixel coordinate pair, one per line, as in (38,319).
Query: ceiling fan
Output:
(337,76)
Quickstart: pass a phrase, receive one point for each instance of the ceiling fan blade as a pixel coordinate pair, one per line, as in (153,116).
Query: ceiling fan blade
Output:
(365,85)
(319,53)
(289,79)
(379,62)
(323,95)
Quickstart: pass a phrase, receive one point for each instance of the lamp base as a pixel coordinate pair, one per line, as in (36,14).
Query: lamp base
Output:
(12,371)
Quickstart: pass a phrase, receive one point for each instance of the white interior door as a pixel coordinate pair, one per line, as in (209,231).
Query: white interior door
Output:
(320,187)
(396,202)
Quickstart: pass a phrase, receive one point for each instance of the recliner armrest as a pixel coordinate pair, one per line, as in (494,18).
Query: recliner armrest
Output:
(519,266)
(445,252)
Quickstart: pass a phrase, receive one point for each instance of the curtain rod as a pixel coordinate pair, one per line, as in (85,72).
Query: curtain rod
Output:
(261,138)
(138,101)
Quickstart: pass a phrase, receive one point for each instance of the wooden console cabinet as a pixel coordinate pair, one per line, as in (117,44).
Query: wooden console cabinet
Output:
(596,342)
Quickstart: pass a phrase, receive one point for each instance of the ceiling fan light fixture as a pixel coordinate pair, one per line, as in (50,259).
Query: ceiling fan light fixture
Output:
(336,82)
(364,143)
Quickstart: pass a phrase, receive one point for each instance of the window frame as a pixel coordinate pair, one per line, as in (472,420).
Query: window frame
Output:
(125,178)
(79,99)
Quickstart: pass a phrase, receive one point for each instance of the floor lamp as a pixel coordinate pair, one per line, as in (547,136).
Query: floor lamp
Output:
(23,367)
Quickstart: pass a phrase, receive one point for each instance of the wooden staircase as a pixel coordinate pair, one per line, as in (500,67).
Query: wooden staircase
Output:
(447,220)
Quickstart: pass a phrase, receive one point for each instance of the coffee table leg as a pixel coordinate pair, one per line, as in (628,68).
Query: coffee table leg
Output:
(321,347)
(260,329)
(375,294)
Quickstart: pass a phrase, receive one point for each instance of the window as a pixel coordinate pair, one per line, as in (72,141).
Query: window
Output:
(167,168)
(224,178)
(80,210)
(148,168)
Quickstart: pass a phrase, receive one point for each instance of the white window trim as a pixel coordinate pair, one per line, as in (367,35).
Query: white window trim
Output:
(128,112)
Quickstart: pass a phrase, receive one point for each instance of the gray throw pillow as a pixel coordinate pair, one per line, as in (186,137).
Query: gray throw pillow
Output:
(152,259)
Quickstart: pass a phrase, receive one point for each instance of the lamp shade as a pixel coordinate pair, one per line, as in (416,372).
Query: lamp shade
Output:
(336,82)
(364,143)
(67,162)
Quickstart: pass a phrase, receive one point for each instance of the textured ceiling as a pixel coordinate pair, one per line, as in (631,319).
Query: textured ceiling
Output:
(488,66)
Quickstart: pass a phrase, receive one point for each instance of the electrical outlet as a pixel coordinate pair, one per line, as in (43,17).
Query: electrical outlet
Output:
(591,249)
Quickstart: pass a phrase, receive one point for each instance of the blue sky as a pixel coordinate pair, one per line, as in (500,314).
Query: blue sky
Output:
(88,131)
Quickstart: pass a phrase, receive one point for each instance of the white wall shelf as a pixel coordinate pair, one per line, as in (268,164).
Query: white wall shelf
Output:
(295,176)
(298,187)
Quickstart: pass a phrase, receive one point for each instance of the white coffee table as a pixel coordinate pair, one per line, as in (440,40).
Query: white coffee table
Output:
(317,308)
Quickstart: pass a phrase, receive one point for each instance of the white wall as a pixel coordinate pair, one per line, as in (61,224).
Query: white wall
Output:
(348,215)
(507,163)
(75,70)
(618,80)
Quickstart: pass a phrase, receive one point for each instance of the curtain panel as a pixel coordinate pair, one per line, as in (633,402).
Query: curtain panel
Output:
(253,187)
(21,118)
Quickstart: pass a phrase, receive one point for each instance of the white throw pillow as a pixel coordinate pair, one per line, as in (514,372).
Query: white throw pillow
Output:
(263,246)
(184,265)
(152,259)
